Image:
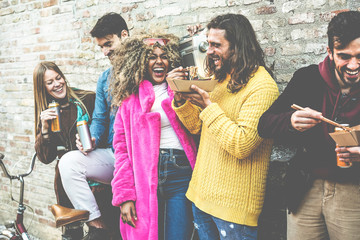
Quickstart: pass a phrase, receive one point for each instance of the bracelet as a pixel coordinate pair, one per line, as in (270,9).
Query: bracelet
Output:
(44,134)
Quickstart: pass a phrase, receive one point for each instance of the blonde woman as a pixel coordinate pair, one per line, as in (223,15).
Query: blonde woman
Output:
(50,85)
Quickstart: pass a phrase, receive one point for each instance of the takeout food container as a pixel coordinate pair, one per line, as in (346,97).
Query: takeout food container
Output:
(184,85)
(347,139)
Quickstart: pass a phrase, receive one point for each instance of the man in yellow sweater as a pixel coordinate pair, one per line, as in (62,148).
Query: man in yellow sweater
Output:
(228,183)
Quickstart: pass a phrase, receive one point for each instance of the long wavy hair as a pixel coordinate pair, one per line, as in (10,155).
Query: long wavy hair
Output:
(246,53)
(42,98)
(130,64)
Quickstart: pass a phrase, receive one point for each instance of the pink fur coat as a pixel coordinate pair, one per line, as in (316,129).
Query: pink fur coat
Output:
(137,143)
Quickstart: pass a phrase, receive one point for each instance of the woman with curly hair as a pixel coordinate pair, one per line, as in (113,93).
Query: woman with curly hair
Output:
(154,153)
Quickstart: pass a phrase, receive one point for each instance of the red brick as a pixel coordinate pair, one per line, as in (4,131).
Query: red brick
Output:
(129,8)
(86,40)
(26,50)
(23,152)
(125,9)
(36,30)
(39,212)
(144,17)
(44,221)
(266,10)
(86,14)
(50,3)
(41,48)
(269,51)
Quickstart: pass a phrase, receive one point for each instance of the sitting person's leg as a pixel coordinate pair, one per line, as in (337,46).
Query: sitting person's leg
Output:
(61,196)
(73,232)
(76,168)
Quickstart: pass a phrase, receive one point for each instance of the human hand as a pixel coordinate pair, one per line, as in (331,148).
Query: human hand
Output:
(200,98)
(302,120)
(128,213)
(80,146)
(46,116)
(178,73)
(348,154)
(193,29)
(178,99)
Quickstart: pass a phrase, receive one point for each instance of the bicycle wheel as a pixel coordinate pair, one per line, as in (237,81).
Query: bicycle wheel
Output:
(3,237)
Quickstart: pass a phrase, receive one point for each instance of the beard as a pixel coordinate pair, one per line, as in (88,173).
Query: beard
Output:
(347,82)
(221,71)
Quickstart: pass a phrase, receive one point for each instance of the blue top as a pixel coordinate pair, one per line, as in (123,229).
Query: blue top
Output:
(103,116)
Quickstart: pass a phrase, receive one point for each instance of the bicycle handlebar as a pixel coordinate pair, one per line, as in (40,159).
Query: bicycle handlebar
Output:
(4,168)
(31,167)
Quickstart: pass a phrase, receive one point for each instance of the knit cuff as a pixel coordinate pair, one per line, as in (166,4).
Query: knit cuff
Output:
(184,110)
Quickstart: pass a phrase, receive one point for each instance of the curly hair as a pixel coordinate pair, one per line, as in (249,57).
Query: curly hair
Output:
(130,64)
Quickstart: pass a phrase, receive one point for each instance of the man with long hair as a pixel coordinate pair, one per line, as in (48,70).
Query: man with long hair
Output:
(96,164)
(228,183)
(326,204)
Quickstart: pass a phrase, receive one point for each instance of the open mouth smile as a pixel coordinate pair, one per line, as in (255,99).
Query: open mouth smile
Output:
(216,60)
(59,90)
(352,73)
(159,71)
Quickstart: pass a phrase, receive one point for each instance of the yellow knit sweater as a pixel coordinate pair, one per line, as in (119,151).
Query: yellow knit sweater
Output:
(229,177)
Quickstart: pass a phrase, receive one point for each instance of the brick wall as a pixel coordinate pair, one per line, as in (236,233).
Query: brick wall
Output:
(292,33)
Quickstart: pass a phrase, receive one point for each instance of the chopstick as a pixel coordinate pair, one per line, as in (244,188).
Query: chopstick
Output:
(297,107)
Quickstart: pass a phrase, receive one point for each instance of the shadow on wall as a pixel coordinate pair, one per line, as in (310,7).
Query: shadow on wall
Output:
(272,221)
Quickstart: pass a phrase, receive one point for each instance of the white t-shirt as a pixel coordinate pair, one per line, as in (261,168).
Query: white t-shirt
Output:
(168,137)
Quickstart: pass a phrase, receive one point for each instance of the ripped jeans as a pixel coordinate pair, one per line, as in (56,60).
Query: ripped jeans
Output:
(213,228)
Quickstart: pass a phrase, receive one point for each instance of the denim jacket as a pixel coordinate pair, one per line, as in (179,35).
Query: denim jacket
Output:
(103,116)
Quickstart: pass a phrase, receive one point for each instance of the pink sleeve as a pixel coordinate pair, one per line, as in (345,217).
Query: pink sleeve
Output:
(123,185)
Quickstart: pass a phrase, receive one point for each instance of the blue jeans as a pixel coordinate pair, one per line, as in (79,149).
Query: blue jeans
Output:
(213,228)
(175,215)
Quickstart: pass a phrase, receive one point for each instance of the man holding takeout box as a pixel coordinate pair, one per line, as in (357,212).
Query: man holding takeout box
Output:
(323,197)
(228,183)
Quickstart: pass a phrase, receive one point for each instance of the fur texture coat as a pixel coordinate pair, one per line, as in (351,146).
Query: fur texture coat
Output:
(137,144)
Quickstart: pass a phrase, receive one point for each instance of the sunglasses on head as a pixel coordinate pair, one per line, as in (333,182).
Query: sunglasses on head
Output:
(155,41)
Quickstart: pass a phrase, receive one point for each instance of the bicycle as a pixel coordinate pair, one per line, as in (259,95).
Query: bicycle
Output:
(16,229)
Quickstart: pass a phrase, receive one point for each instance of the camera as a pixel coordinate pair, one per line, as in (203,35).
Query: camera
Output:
(193,51)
